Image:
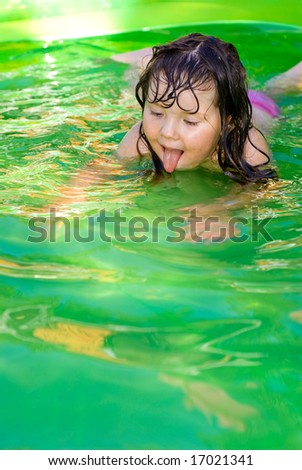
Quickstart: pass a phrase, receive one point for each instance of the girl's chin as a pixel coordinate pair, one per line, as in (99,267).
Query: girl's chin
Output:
(187,165)
(184,168)
(181,166)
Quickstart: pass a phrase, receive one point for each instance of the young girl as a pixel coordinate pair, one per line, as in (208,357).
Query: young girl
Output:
(196,110)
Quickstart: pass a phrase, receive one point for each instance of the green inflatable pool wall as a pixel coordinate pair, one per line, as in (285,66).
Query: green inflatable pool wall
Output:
(59,19)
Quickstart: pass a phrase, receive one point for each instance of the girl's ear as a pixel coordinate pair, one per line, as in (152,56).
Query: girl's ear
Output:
(228,120)
(229,125)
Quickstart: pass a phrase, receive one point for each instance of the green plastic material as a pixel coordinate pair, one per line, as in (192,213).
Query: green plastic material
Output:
(60,19)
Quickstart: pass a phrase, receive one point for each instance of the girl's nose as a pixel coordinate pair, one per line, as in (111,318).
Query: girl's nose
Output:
(169,129)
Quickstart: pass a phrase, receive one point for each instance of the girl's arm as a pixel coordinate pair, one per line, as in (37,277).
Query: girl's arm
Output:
(127,148)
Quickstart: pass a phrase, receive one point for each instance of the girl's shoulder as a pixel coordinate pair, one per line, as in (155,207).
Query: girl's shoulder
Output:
(256,148)
(128,145)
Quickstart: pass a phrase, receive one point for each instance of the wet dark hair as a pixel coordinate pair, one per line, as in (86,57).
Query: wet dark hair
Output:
(196,61)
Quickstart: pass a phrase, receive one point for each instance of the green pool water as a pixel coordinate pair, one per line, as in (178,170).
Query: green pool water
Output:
(154,344)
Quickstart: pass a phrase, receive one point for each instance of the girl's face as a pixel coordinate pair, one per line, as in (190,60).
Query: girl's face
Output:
(181,137)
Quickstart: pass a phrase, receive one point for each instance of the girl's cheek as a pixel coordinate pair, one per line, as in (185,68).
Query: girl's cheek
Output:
(149,126)
(146,119)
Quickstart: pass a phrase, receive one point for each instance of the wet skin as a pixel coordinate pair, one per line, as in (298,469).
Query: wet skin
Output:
(180,136)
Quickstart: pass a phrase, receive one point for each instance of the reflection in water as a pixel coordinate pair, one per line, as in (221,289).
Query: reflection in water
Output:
(214,402)
(186,350)
(178,355)
(77,338)
(296,316)
(30,270)
(54,128)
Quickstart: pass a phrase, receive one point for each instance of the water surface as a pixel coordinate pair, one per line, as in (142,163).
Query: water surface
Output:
(142,344)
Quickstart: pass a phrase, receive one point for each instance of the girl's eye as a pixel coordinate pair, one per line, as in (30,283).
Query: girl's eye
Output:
(154,113)
(191,123)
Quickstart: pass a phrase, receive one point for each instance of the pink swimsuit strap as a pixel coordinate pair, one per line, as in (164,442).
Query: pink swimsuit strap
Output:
(261,101)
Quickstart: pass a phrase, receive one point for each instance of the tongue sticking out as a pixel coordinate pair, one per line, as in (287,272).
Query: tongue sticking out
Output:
(171,158)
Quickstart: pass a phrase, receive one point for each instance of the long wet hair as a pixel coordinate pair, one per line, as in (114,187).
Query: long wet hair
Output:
(198,61)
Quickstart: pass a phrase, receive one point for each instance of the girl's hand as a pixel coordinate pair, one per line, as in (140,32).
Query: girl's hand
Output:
(216,222)
(210,223)
(139,58)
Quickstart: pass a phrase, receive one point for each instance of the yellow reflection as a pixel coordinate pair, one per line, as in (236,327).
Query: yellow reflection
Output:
(78,338)
(296,316)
